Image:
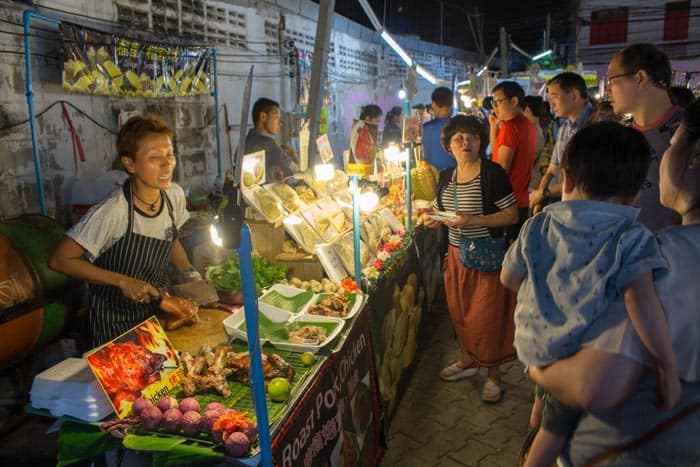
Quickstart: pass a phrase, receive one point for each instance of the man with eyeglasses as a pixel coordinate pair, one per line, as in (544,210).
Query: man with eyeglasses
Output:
(638,80)
(513,139)
(568,97)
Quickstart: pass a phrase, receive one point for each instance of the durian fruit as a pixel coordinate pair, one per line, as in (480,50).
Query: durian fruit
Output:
(400,334)
(338,221)
(112,70)
(145,82)
(289,197)
(423,182)
(322,224)
(267,204)
(409,351)
(307,235)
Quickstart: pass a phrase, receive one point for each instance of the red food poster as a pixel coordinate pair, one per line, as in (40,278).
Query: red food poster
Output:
(139,363)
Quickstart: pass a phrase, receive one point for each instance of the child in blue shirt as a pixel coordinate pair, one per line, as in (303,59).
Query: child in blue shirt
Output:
(573,262)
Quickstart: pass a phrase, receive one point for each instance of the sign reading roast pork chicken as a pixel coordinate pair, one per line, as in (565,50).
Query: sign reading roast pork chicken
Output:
(337,420)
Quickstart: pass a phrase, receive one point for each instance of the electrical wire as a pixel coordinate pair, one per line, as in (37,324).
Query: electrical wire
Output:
(207,122)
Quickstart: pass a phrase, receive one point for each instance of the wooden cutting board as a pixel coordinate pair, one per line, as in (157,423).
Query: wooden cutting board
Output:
(208,331)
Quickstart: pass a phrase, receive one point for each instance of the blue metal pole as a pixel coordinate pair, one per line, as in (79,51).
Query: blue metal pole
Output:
(354,188)
(409,206)
(250,302)
(216,116)
(26,20)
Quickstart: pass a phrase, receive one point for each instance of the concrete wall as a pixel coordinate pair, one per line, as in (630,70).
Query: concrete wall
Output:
(645,23)
(376,77)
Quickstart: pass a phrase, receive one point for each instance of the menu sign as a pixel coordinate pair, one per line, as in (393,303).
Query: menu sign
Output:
(139,363)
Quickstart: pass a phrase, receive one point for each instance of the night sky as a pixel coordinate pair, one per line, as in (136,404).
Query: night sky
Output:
(524,20)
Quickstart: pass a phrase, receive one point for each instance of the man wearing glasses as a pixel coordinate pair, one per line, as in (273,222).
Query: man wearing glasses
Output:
(638,81)
(513,139)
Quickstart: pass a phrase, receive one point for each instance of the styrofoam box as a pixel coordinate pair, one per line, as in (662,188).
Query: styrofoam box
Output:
(70,388)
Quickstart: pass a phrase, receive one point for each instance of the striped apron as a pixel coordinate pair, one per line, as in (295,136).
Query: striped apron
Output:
(138,256)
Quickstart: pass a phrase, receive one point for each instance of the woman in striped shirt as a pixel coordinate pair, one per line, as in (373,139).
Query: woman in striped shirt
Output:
(480,307)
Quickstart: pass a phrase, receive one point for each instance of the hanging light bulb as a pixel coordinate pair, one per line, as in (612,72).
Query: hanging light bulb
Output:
(402,93)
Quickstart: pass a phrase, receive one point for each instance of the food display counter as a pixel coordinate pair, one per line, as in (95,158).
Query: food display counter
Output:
(344,348)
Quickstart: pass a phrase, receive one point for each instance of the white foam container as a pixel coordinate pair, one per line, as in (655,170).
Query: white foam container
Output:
(70,388)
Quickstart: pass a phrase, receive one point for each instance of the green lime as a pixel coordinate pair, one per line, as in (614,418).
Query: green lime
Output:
(307,358)
(279,389)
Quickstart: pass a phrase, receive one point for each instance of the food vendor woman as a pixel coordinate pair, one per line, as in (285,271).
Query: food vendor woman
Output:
(122,246)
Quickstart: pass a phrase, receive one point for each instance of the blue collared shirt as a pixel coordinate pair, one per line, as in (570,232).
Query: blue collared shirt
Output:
(567,131)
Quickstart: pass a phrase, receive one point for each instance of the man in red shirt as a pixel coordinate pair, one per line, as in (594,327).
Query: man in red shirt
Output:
(513,137)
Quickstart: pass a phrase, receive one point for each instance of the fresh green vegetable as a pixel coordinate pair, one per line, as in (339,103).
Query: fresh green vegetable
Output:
(227,275)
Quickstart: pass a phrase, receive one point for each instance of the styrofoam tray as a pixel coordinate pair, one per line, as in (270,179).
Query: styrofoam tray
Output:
(354,308)
(249,195)
(442,216)
(69,379)
(286,291)
(233,328)
(233,323)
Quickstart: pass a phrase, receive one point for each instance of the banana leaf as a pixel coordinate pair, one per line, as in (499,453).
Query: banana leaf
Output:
(292,304)
(78,441)
(169,450)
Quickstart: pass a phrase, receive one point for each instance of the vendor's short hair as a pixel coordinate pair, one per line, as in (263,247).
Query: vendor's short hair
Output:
(134,130)
(649,58)
(569,81)
(442,96)
(466,124)
(607,159)
(263,105)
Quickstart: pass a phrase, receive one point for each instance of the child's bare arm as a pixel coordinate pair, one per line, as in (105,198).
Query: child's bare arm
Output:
(648,318)
(509,280)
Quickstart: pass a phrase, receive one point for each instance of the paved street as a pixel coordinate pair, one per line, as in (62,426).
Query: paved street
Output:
(446,424)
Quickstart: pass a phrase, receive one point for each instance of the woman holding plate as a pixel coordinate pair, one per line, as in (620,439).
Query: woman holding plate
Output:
(479,192)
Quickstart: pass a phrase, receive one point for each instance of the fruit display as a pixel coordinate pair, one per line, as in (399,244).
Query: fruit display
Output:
(399,330)
(265,203)
(424,181)
(101,63)
(286,194)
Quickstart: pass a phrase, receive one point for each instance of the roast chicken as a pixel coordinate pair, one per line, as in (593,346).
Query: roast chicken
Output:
(180,311)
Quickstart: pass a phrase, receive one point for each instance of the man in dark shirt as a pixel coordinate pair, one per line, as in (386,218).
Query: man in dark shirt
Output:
(266,118)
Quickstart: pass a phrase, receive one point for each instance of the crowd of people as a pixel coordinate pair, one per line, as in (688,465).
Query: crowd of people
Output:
(571,250)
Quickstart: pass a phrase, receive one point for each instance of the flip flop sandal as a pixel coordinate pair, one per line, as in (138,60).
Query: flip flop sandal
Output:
(454,372)
(492,392)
